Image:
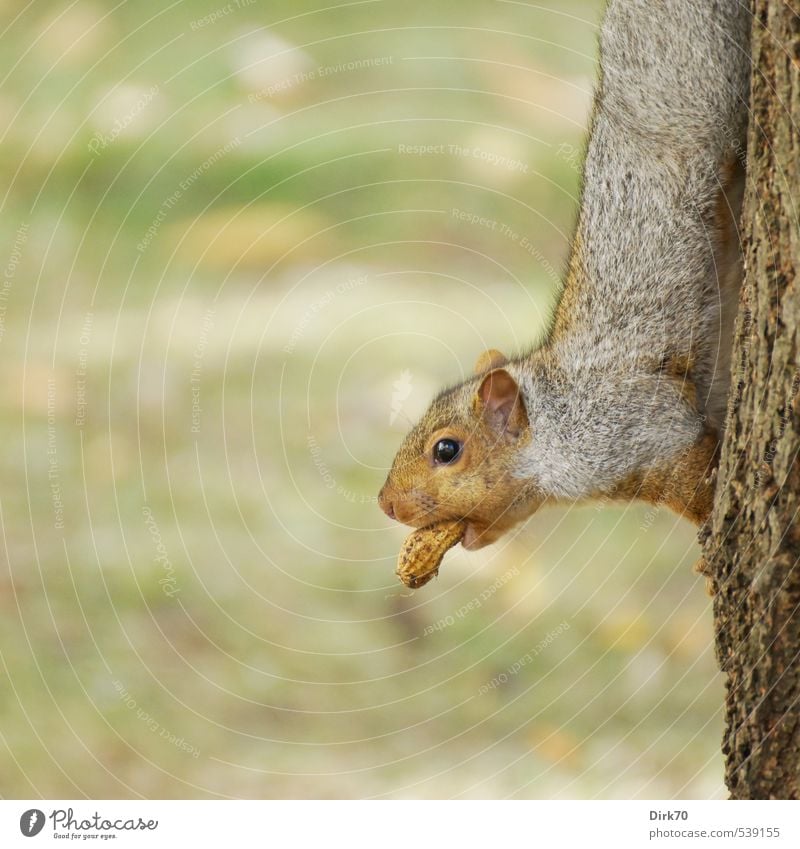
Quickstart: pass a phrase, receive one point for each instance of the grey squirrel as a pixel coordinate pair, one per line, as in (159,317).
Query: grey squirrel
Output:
(626,396)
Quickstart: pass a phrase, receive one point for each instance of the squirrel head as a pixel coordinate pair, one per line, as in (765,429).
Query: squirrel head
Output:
(462,459)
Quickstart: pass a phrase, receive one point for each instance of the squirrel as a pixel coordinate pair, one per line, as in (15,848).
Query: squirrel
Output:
(626,396)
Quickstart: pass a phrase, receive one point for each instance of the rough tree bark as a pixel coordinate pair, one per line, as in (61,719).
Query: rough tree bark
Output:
(752,544)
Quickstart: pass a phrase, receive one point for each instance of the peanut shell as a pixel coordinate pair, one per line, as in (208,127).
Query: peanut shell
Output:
(423,550)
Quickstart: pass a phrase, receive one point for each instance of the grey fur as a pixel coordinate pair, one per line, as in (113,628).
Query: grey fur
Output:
(647,277)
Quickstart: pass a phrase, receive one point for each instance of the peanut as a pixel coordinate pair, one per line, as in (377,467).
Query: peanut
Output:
(423,550)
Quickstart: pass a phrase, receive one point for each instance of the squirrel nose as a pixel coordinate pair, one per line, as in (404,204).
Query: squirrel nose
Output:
(386,504)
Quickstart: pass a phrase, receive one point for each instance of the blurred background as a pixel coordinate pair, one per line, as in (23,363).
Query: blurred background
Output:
(243,245)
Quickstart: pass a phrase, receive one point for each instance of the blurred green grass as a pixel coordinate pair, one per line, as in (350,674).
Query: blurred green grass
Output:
(285,660)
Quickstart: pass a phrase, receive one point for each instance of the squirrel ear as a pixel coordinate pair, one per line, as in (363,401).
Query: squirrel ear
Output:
(488,360)
(500,402)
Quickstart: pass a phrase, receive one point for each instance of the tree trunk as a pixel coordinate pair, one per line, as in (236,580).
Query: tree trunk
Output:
(752,545)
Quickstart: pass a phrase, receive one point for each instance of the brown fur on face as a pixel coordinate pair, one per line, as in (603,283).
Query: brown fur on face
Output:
(480,485)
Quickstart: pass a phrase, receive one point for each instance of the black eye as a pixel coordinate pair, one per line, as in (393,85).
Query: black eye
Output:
(446,450)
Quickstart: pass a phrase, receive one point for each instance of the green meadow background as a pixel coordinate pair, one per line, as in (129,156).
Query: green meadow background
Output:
(241,246)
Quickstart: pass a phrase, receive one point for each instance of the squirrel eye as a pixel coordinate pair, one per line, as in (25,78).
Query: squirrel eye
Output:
(446,451)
